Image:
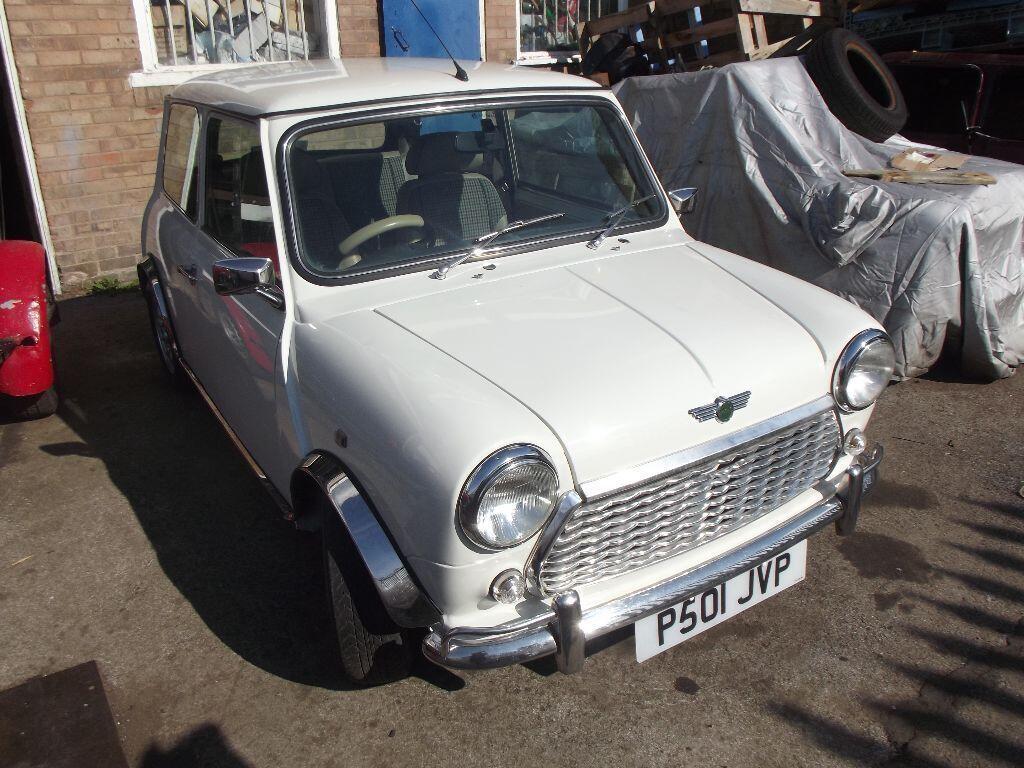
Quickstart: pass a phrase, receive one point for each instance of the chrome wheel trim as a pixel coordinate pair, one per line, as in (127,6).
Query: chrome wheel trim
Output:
(162,336)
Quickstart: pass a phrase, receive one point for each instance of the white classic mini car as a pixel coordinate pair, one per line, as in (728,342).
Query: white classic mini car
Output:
(459,330)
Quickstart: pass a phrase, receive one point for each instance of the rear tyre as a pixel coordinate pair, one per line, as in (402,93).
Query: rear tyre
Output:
(163,338)
(31,407)
(373,649)
(856,84)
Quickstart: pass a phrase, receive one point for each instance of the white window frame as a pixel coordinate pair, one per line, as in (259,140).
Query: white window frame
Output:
(545,58)
(154,73)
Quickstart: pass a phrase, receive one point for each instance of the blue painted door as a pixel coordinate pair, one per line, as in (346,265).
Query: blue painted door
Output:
(456,21)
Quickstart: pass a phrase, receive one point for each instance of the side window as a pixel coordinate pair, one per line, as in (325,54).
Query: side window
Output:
(237,202)
(939,99)
(1006,104)
(181,145)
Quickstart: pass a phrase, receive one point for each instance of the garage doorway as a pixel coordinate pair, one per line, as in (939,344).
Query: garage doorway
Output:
(22,215)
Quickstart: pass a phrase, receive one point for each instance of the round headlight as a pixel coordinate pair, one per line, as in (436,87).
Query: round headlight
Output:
(508,497)
(863,371)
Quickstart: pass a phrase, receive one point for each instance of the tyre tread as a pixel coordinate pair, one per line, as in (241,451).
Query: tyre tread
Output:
(825,62)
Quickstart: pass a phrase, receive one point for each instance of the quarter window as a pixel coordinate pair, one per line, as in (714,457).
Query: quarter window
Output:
(181,144)
(237,202)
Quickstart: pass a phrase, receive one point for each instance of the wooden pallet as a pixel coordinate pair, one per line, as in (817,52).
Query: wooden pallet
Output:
(683,35)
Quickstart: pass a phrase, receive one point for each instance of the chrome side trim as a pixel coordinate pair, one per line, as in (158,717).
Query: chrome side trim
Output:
(405,603)
(674,461)
(281,502)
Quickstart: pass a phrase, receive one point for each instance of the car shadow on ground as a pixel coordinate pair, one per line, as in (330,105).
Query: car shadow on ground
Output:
(204,745)
(972,703)
(251,577)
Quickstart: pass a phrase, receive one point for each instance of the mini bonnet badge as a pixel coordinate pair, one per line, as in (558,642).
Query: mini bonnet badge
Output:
(722,409)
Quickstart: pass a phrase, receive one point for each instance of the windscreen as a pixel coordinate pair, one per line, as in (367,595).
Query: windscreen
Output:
(409,190)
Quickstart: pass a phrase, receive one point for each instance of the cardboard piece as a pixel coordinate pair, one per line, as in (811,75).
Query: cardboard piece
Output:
(925,160)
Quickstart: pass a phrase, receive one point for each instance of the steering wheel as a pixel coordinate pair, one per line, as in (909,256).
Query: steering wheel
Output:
(376,228)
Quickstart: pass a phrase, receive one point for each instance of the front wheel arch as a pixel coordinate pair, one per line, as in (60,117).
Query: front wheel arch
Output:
(321,485)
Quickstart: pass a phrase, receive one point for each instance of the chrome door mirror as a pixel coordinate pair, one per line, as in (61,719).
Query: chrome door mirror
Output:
(684,199)
(233,277)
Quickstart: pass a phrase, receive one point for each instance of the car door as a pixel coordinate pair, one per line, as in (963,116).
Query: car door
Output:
(233,346)
(177,218)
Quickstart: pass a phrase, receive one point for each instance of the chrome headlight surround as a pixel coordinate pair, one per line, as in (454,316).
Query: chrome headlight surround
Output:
(503,464)
(847,368)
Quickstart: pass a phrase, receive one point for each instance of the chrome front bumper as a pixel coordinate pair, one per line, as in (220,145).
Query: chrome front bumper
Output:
(565,629)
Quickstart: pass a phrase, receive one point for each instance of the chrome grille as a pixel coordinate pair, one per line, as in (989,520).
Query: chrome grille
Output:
(671,514)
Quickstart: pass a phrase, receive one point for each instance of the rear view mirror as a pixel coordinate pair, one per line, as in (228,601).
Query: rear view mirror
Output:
(684,199)
(233,277)
(475,143)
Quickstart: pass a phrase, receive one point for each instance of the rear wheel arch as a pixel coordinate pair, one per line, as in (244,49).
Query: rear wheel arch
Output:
(161,321)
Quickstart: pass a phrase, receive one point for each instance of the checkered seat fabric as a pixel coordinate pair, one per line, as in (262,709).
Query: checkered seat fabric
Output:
(366,185)
(321,224)
(456,201)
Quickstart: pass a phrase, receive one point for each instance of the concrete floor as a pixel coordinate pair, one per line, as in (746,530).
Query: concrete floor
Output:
(131,533)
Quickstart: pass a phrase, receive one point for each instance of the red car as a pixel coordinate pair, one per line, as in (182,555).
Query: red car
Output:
(965,102)
(26,312)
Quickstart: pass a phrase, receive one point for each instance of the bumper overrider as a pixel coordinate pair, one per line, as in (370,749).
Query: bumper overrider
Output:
(565,629)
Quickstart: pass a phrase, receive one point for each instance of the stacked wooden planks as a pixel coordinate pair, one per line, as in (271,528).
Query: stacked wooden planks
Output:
(682,35)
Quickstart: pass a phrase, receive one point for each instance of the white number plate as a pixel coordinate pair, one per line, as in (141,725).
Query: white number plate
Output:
(669,627)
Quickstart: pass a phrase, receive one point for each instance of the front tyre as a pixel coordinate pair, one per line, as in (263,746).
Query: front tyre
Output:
(373,649)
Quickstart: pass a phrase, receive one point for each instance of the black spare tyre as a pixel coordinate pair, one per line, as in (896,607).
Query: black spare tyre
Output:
(604,50)
(856,84)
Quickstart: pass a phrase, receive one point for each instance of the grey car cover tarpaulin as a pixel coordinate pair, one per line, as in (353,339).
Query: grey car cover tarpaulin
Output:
(939,266)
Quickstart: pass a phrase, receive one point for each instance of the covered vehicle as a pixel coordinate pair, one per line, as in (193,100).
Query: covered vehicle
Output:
(26,309)
(940,266)
(459,330)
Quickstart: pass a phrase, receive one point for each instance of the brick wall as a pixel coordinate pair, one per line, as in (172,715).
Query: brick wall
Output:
(95,138)
(500,25)
(359,27)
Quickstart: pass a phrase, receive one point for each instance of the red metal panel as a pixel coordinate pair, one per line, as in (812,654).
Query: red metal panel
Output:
(28,368)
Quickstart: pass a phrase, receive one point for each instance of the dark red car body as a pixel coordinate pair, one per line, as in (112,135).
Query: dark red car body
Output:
(965,102)
(26,363)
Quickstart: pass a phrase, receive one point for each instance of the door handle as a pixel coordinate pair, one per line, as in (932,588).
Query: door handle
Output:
(189,273)
(400,39)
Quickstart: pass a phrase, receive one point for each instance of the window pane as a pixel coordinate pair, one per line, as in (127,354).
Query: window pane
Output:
(939,99)
(551,26)
(1002,119)
(237,202)
(180,174)
(572,152)
(242,31)
(432,185)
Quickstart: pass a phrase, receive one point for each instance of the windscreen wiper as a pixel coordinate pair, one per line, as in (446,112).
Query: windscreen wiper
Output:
(613,220)
(484,240)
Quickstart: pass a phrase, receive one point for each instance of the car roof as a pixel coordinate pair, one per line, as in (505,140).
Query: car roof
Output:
(303,86)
